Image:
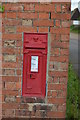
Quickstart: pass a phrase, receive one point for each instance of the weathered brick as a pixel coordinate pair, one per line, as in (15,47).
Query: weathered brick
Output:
(10,86)
(27,22)
(8,72)
(15,7)
(65,24)
(66,8)
(9,113)
(28,7)
(11,22)
(9,43)
(10,99)
(11,50)
(10,58)
(10,29)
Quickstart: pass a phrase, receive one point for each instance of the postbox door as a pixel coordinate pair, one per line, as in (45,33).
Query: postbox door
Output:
(34,75)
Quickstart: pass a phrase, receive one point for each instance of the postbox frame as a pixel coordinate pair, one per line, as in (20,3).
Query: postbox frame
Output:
(44,90)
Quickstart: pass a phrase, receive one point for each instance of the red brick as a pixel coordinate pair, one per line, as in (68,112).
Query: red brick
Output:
(18,71)
(10,92)
(59,59)
(10,106)
(64,45)
(18,85)
(11,65)
(65,38)
(60,16)
(54,94)
(58,8)
(43,29)
(63,66)
(62,94)
(64,52)
(3,15)
(56,80)
(58,73)
(45,8)
(50,79)
(55,51)
(56,87)
(57,23)
(63,80)
(12,36)
(49,93)
(62,107)
(18,43)
(43,15)
(28,15)
(60,30)
(10,78)
(43,23)
(57,37)
(11,15)
(52,114)
(28,29)
(56,100)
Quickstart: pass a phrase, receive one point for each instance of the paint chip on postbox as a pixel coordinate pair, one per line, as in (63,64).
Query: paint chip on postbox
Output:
(34,63)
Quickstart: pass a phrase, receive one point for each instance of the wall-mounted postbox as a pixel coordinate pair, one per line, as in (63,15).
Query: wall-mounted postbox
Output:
(34,64)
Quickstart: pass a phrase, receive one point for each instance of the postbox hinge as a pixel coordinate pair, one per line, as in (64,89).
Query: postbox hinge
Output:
(1,9)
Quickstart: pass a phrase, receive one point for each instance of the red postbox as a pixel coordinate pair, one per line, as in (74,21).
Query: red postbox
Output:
(34,64)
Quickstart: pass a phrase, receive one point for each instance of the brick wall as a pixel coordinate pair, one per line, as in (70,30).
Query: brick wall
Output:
(54,19)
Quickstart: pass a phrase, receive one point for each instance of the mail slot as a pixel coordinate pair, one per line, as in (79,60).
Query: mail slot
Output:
(34,64)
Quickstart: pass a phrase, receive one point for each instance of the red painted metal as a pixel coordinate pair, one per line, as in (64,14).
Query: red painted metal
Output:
(34,78)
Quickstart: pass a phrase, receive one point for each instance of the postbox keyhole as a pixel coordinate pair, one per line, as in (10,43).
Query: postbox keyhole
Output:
(30,76)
